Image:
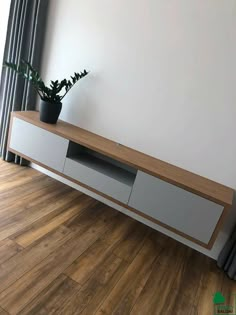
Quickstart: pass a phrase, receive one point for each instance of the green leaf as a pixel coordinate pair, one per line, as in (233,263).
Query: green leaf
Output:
(51,93)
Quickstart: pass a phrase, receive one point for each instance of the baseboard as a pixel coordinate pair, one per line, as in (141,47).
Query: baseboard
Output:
(213,253)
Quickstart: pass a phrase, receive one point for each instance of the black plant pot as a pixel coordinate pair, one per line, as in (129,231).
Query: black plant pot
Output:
(49,112)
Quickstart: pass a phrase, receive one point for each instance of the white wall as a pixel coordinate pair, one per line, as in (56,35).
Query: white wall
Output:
(163,77)
(4,13)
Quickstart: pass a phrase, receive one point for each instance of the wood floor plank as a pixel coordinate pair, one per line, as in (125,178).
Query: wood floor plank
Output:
(177,304)
(24,261)
(13,171)
(83,267)
(11,196)
(28,216)
(93,292)
(6,172)
(154,297)
(10,192)
(123,296)
(8,248)
(52,220)
(82,221)
(120,231)
(39,198)
(211,283)
(5,167)
(5,164)
(182,297)
(14,183)
(86,264)
(25,289)
(37,186)
(99,286)
(123,267)
(53,297)
(2,312)
(131,244)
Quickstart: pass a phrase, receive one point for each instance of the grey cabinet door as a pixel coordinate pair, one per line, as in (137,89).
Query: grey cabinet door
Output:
(93,176)
(38,144)
(178,208)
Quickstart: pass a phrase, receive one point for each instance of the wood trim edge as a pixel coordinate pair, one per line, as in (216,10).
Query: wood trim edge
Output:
(218,227)
(200,191)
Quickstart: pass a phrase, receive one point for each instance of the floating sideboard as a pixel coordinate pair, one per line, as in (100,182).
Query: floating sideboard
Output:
(185,203)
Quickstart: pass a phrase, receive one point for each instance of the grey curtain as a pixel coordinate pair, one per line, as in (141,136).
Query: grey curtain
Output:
(25,35)
(227,257)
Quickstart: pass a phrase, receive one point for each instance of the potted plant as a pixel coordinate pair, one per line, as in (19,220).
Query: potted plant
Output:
(50,96)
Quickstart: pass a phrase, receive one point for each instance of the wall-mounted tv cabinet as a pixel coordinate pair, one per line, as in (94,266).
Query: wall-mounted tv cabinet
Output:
(185,203)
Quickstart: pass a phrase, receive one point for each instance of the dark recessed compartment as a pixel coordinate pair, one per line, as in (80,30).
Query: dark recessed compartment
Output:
(100,172)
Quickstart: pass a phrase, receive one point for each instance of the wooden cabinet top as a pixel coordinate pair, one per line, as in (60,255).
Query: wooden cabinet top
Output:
(175,175)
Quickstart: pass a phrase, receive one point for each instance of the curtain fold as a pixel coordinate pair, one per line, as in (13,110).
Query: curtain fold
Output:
(24,40)
(227,257)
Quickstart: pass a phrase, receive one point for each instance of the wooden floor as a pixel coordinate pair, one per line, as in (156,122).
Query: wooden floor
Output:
(61,252)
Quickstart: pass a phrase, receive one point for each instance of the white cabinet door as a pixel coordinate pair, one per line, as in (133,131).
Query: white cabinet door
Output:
(178,208)
(38,144)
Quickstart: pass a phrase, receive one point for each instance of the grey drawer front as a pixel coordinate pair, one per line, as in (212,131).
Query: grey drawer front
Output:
(180,209)
(97,180)
(38,144)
